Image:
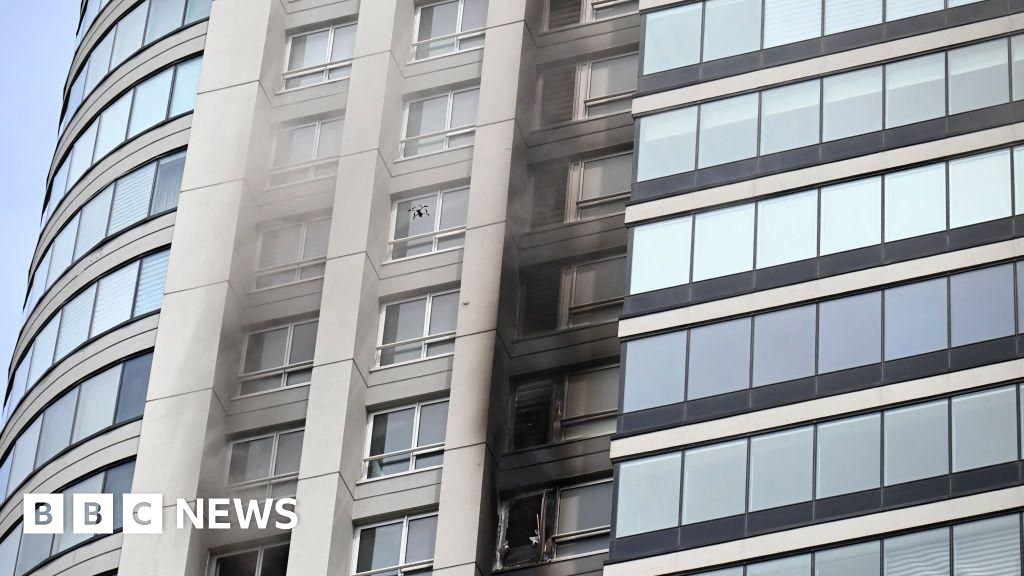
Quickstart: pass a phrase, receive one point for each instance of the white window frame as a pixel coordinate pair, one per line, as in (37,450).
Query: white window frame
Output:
(567,307)
(401,569)
(562,421)
(583,103)
(414,451)
(437,234)
(298,266)
(457,37)
(215,565)
(448,131)
(425,340)
(283,370)
(325,68)
(558,538)
(574,200)
(589,9)
(270,481)
(310,165)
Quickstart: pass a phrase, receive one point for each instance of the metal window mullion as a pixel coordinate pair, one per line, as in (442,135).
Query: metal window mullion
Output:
(402,548)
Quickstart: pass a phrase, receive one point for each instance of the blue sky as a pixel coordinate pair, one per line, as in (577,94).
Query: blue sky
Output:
(38,38)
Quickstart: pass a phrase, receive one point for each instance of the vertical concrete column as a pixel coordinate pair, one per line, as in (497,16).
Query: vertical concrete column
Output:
(180,454)
(466,514)
(336,417)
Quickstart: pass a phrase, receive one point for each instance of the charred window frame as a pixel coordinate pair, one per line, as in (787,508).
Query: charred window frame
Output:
(544,410)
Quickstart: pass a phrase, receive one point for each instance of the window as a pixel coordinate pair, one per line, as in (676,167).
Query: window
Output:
(150,104)
(787,229)
(979,188)
(561,13)
(981,305)
(1017,70)
(723,242)
(795,566)
(648,494)
(728,129)
(268,560)
(278,357)
(430,223)
(915,202)
(905,555)
(291,253)
(418,328)
(583,519)
(113,123)
(856,560)
(714,482)
(307,151)
(848,456)
(406,545)
(571,406)
(610,84)
(319,56)
(667,143)
(407,438)
(440,122)
(991,545)
(655,371)
(265,466)
(853,103)
(672,38)
(719,359)
(780,468)
(731,27)
(450,26)
(603,188)
(593,291)
(984,429)
(851,215)
(164,16)
(784,345)
(788,21)
(789,118)
(979,76)
(915,319)
(915,90)
(916,442)
(660,255)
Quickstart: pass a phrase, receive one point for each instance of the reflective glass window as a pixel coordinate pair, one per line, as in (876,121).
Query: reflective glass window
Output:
(915,202)
(787,229)
(784,345)
(787,21)
(918,553)
(915,319)
(648,494)
(984,429)
(853,103)
(714,481)
(989,546)
(781,468)
(719,359)
(979,76)
(790,115)
(728,128)
(979,188)
(915,89)
(851,215)
(849,332)
(981,305)
(849,455)
(672,37)
(668,143)
(724,242)
(655,371)
(916,442)
(661,255)
(731,27)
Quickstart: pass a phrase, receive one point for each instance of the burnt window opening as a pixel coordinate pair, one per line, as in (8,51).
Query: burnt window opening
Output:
(579,404)
(562,295)
(557,523)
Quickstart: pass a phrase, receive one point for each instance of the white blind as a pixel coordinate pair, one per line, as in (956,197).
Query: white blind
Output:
(62,250)
(42,350)
(842,15)
(114,299)
(150,291)
(131,198)
(74,326)
(788,21)
(92,225)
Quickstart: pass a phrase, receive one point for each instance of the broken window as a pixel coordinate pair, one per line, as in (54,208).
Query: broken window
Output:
(579,404)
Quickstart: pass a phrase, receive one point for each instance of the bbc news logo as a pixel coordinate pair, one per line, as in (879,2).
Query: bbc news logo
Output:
(143,513)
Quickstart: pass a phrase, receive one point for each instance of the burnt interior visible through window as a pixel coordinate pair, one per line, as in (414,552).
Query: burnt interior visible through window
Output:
(524,531)
(531,418)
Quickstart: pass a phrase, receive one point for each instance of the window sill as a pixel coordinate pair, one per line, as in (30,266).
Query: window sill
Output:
(412,60)
(418,256)
(428,154)
(364,480)
(283,91)
(237,397)
(379,368)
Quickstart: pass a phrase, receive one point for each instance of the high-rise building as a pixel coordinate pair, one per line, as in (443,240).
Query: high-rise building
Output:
(368,254)
(821,350)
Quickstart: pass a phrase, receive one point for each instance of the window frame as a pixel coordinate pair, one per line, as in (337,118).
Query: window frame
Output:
(299,265)
(557,421)
(558,538)
(285,369)
(574,201)
(403,568)
(437,233)
(269,481)
(583,101)
(457,37)
(425,339)
(447,134)
(326,68)
(311,165)
(588,13)
(215,568)
(413,451)
(567,296)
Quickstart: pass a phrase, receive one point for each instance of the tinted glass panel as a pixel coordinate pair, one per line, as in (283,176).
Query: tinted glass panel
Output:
(113,123)
(915,90)
(851,215)
(915,319)
(917,554)
(655,371)
(134,384)
(584,507)
(419,544)
(788,21)
(379,547)
(849,332)
(787,229)
(130,30)
(784,345)
(672,38)
(186,82)
(724,242)
(915,202)
(979,76)
(984,429)
(719,359)
(789,115)
(250,460)
(96,403)
(979,188)
(114,299)
(848,455)
(981,304)
(150,104)
(164,16)
(857,560)
(916,442)
(648,494)
(661,255)
(987,547)
(796,566)
(56,431)
(668,143)
(853,103)
(731,27)
(714,482)
(780,468)
(728,128)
